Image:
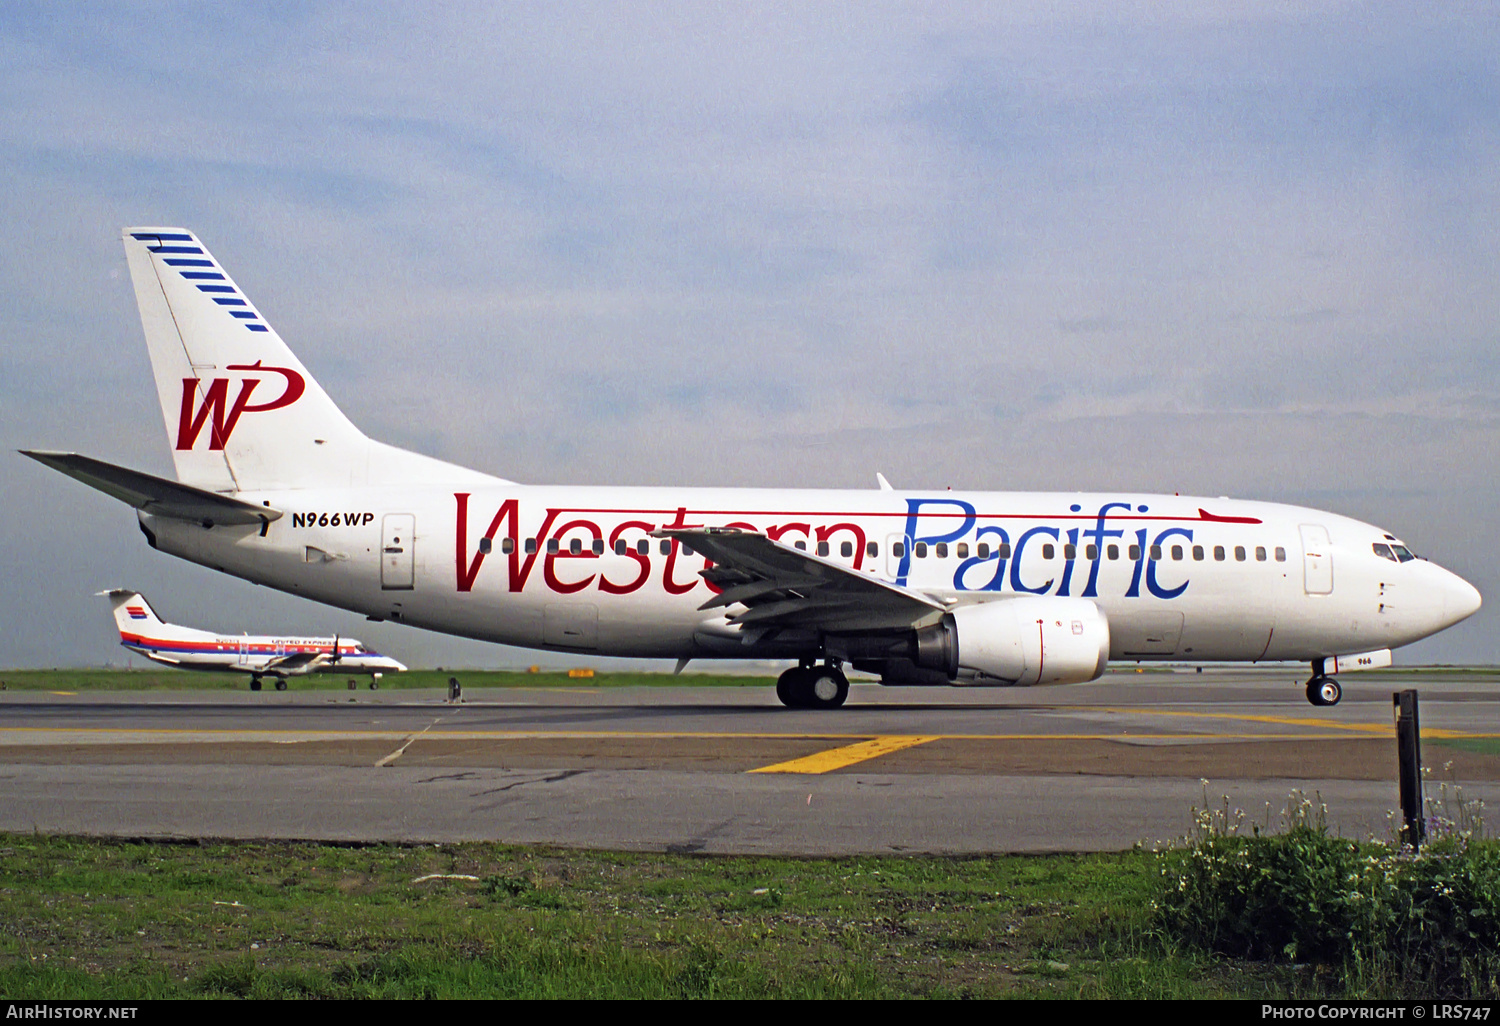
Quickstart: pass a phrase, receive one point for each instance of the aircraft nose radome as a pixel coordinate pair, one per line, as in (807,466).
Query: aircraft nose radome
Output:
(1460,600)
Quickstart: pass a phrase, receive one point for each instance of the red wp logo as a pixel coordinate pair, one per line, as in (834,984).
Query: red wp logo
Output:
(224,414)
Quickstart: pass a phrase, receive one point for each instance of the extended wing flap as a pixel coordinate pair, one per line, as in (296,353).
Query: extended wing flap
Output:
(786,587)
(154,495)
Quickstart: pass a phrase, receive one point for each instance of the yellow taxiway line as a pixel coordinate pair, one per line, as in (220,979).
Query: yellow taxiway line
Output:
(1294,721)
(848,755)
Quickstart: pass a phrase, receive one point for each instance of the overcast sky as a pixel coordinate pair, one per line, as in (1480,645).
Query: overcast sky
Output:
(1227,249)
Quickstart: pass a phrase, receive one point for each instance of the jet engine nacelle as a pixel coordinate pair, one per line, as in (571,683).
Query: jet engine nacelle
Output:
(1019,641)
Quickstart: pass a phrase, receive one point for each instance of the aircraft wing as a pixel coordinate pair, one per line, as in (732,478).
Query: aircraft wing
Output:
(155,495)
(783,587)
(297,663)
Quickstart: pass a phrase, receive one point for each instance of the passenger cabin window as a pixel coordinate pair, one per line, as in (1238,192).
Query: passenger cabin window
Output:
(1239,553)
(484,545)
(575,546)
(1005,550)
(822,548)
(1280,554)
(1113,551)
(666,546)
(530,546)
(1260,553)
(1135,552)
(1156,552)
(982,550)
(1048,551)
(872,550)
(963,550)
(1070,551)
(1176,551)
(619,546)
(921,550)
(800,545)
(941,550)
(551,545)
(598,546)
(1219,553)
(1198,552)
(643,547)
(898,549)
(1091,551)
(507,545)
(846,549)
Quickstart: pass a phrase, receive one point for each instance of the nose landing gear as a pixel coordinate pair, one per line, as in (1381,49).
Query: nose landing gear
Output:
(812,687)
(1323,690)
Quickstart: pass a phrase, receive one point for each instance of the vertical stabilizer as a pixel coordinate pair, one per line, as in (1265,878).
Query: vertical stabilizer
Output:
(141,630)
(133,614)
(241,410)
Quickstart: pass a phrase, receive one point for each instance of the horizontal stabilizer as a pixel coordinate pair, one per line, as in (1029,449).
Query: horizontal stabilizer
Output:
(155,495)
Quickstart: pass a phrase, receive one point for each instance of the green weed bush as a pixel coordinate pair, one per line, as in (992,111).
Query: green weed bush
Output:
(1386,917)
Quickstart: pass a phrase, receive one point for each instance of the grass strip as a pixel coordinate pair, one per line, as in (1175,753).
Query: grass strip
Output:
(83,918)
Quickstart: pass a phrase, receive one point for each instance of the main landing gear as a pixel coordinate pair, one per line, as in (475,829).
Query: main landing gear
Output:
(810,686)
(1323,689)
(254,682)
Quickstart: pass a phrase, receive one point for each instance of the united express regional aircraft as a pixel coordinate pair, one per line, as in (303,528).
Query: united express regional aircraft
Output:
(184,648)
(276,486)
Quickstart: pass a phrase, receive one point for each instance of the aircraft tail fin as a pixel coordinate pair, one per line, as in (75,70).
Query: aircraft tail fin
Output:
(242,412)
(133,613)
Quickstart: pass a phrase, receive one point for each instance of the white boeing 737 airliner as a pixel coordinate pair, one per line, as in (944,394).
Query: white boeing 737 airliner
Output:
(259,655)
(275,485)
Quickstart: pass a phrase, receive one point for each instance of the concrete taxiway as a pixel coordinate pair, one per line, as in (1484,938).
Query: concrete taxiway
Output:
(722,769)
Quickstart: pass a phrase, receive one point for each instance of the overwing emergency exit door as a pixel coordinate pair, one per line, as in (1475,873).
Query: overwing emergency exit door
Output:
(397,548)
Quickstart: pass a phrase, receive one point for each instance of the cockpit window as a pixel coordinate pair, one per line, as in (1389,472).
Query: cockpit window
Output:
(1404,554)
(1381,549)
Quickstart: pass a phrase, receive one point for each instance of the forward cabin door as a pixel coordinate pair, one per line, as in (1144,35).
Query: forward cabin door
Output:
(1317,560)
(397,547)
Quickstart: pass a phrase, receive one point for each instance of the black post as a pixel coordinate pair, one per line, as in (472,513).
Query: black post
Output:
(1409,752)
(455,689)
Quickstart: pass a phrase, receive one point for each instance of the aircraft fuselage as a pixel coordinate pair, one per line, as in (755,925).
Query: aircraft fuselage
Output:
(577,568)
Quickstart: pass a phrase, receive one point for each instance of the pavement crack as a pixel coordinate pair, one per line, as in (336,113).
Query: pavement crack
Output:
(696,844)
(564,775)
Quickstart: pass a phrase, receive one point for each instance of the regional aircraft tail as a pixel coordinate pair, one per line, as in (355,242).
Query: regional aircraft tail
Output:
(138,622)
(242,412)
